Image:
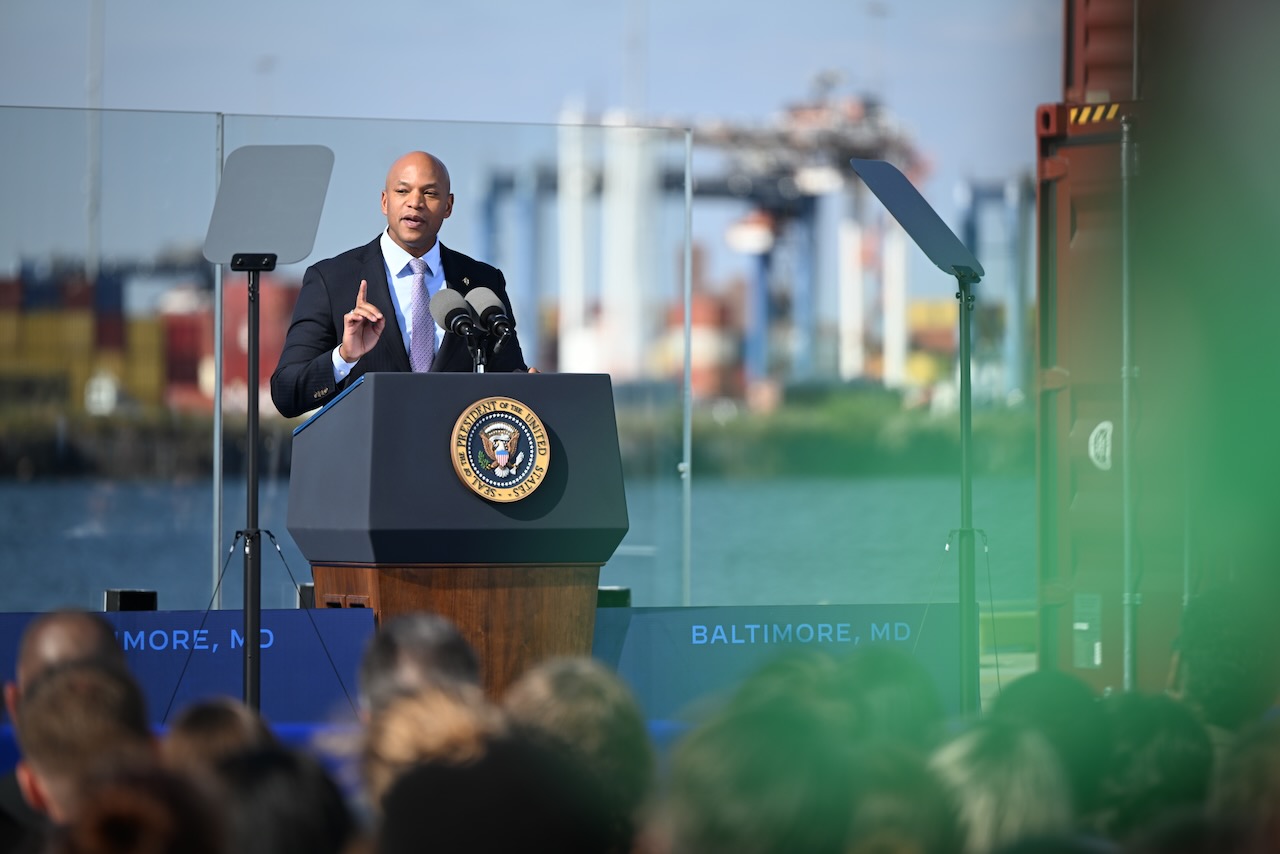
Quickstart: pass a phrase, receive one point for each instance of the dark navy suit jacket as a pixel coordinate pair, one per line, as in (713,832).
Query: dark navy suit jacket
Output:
(303,380)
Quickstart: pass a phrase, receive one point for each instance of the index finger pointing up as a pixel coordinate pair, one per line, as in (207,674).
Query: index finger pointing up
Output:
(360,297)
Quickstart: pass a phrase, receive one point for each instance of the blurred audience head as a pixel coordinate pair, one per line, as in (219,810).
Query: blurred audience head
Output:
(433,724)
(75,719)
(210,730)
(1061,843)
(516,795)
(1161,763)
(1063,709)
(1007,783)
(282,801)
(894,697)
(1227,656)
(412,651)
(770,775)
(1246,791)
(898,805)
(579,706)
(1194,832)
(806,677)
(803,673)
(143,810)
(58,637)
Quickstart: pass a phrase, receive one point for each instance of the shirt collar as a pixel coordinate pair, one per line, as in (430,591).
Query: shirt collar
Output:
(397,259)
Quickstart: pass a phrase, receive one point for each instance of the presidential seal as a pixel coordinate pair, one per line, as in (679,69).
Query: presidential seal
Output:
(500,449)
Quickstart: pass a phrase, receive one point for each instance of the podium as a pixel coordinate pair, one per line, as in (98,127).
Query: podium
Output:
(390,516)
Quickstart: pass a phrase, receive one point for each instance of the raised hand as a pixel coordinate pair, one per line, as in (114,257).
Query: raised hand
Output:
(361,327)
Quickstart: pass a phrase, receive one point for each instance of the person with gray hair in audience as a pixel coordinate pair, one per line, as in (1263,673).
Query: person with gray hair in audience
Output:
(413,651)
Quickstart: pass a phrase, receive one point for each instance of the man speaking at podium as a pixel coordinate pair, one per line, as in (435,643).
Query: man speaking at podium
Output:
(343,308)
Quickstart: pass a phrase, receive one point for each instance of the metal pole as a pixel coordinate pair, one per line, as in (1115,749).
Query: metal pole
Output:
(970,693)
(686,427)
(93,188)
(217,395)
(1137,5)
(1128,372)
(252,540)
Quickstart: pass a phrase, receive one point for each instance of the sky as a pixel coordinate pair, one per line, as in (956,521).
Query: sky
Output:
(964,78)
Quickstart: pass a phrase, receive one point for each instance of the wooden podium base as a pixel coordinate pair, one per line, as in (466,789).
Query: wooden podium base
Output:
(514,616)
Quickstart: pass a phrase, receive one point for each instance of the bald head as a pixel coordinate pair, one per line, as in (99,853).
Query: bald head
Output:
(423,160)
(62,636)
(416,201)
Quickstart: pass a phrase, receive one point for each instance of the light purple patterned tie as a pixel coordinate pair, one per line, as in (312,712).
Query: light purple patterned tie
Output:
(422,344)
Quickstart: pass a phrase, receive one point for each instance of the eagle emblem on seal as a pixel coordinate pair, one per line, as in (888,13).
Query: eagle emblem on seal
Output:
(501,441)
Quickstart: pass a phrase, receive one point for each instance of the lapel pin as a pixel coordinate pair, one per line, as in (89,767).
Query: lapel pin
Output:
(465,280)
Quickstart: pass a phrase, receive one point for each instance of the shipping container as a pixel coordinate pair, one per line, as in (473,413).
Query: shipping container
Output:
(10,325)
(276,299)
(54,338)
(1086,572)
(109,332)
(1098,59)
(144,365)
(185,336)
(10,296)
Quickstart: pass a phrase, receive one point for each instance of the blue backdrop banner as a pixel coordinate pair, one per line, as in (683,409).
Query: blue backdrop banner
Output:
(677,658)
(673,658)
(309,659)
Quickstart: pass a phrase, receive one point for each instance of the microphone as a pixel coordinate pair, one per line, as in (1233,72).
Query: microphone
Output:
(452,313)
(492,314)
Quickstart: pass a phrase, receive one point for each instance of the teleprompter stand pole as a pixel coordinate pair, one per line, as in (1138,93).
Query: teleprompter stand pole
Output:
(254,265)
(945,250)
(970,688)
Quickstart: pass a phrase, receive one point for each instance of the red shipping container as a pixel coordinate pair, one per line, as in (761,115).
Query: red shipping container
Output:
(1080,421)
(10,294)
(1098,60)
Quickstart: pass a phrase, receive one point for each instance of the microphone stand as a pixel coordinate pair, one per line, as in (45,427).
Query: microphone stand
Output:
(475,343)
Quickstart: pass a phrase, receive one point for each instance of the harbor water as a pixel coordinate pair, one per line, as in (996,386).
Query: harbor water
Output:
(766,542)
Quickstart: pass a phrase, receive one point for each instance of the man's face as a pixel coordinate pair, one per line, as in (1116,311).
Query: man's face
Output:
(416,201)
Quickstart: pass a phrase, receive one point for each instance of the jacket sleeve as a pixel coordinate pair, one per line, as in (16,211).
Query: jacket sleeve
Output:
(303,380)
